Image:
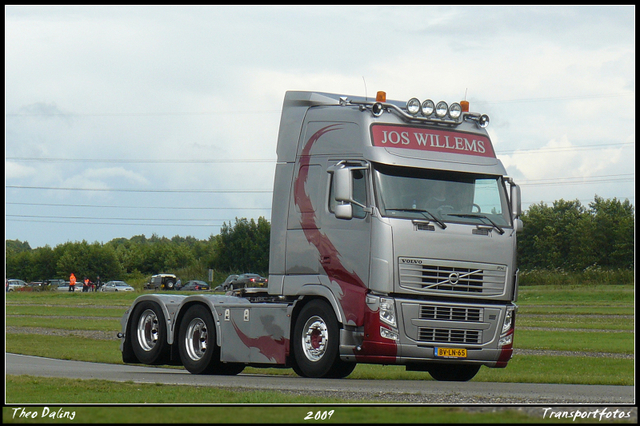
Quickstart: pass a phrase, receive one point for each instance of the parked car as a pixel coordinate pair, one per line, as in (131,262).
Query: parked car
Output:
(195,285)
(54,283)
(162,282)
(250,280)
(15,284)
(65,286)
(228,283)
(116,286)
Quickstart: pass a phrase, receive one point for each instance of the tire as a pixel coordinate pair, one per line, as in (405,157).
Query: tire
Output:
(149,333)
(340,369)
(197,344)
(453,372)
(316,341)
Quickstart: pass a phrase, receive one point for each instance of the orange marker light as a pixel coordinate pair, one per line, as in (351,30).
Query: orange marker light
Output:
(465,106)
(381,97)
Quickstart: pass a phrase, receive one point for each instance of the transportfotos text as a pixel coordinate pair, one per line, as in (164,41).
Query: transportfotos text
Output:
(596,414)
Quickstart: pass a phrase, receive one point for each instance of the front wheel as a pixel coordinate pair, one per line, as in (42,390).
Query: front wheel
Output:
(453,372)
(149,333)
(316,343)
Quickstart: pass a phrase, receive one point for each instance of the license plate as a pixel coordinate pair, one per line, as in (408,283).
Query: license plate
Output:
(450,353)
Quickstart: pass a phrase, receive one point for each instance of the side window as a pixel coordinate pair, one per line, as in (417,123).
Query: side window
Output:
(487,196)
(359,194)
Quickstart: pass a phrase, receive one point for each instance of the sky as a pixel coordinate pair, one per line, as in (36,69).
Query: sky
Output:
(142,120)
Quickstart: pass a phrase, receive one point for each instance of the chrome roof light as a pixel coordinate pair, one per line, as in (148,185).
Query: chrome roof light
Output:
(413,106)
(428,107)
(441,109)
(455,110)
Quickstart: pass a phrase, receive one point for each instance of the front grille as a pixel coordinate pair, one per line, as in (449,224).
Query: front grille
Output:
(447,313)
(440,335)
(437,276)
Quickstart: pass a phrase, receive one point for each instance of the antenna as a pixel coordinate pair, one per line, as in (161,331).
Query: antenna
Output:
(366,98)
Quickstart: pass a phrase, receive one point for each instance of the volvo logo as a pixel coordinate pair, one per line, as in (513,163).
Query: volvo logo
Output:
(454,277)
(415,261)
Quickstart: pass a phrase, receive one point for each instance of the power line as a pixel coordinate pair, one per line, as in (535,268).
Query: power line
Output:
(138,207)
(149,161)
(136,114)
(220,191)
(558,98)
(267,160)
(580,177)
(561,149)
(109,218)
(278,111)
(577,181)
(119,224)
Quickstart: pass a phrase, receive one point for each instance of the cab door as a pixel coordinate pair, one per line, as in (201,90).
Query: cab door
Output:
(346,260)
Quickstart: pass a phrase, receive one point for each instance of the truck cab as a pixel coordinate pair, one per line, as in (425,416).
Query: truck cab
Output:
(403,219)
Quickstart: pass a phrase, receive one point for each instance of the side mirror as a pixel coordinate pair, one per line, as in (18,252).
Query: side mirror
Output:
(519,225)
(343,185)
(516,203)
(344,211)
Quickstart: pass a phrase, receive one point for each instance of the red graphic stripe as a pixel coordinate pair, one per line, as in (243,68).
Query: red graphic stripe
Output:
(352,286)
(273,349)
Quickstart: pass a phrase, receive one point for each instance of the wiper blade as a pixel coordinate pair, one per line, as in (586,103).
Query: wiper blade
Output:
(479,216)
(423,211)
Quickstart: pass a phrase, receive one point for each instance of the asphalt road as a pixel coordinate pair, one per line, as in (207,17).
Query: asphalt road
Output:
(391,391)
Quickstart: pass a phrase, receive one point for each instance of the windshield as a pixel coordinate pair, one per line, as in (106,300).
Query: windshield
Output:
(441,196)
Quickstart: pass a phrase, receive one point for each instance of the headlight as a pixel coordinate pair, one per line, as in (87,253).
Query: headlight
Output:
(483,121)
(377,109)
(508,321)
(427,107)
(506,340)
(388,312)
(388,334)
(455,110)
(413,106)
(441,109)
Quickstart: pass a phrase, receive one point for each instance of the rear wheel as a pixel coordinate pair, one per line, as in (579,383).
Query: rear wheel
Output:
(149,333)
(197,344)
(316,343)
(453,372)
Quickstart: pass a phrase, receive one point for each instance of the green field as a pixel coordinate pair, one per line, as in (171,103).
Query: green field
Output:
(589,328)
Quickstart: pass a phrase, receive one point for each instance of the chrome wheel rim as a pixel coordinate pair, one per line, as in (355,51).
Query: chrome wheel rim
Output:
(315,338)
(196,339)
(148,330)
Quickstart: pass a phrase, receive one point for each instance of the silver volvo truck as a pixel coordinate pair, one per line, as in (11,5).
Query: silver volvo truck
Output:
(393,241)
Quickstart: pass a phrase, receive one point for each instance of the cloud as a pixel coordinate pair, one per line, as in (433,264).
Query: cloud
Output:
(544,162)
(43,110)
(107,173)
(185,83)
(14,170)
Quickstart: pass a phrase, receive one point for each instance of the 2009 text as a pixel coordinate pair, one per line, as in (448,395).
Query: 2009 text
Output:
(319,415)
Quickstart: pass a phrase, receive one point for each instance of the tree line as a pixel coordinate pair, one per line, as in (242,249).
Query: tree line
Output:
(572,237)
(565,235)
(240,247)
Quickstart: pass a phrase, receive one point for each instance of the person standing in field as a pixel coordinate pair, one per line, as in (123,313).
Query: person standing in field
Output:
(72,282)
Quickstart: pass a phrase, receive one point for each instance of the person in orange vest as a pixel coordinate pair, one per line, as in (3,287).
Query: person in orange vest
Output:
(72,282)
(85,284)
